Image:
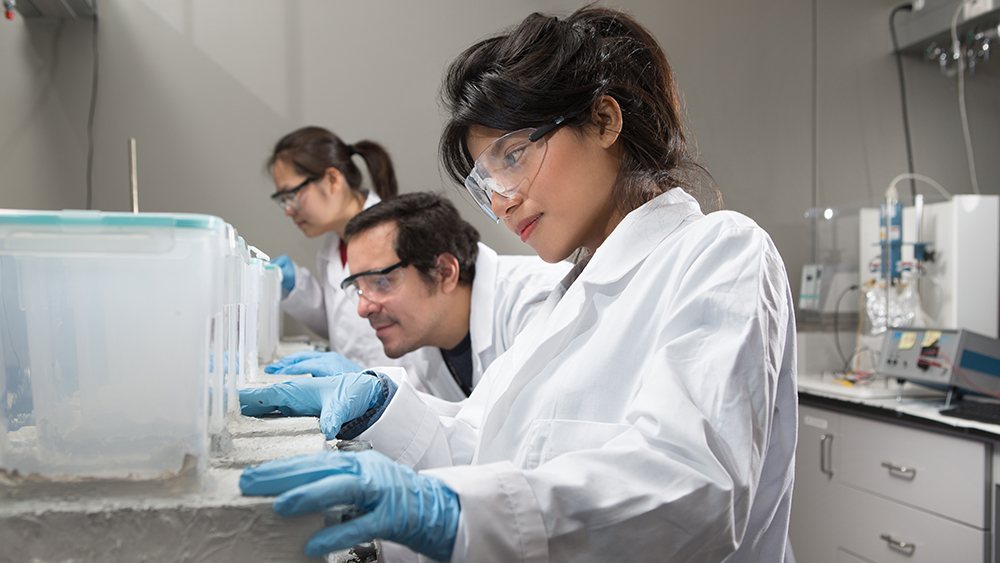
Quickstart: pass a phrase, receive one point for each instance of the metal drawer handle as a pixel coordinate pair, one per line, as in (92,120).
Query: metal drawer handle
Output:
(825,453)
(904,472)
(909,548)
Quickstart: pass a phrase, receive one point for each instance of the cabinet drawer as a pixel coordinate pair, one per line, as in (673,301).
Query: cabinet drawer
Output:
(844,557)
(943,474)
(933,539)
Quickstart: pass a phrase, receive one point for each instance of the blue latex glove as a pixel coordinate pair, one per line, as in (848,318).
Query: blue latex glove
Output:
(320,364)
(400,505)
(336,400)
(287,271)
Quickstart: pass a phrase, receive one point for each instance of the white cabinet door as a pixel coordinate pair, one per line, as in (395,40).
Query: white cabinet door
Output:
(844,557)
(816,508)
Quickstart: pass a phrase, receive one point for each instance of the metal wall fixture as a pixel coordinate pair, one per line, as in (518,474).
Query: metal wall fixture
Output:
(975,46)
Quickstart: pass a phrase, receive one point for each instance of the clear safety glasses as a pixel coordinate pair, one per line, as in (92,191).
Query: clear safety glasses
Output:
(375,285)
(506,164)
(289,199)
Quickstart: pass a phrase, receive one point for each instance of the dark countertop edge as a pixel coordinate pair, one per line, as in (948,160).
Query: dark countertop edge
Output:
(892,415)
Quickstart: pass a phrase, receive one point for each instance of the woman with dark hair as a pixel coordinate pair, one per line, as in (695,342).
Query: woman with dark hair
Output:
(648,412)
(319,187)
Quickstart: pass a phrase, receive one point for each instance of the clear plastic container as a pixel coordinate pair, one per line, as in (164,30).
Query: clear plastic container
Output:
(269,314)
(108,323)
(233,294)
(242,324)
(251,292)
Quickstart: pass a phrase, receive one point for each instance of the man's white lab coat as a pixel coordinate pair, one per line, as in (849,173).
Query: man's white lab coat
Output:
(506,293)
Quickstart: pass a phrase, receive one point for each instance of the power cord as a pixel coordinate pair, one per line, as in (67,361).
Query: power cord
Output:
(836,325)
(957,51)
(90,118)
(925,179)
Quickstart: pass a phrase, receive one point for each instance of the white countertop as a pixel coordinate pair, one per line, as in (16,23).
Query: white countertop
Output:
(915,400)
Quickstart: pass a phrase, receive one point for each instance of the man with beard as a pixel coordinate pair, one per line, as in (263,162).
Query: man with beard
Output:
(433,293)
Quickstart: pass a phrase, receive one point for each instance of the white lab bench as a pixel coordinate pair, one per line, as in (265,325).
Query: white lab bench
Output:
(882,477)
(214,524)
(142,521)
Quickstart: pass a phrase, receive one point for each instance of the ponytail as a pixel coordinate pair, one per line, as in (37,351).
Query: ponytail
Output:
(379,168)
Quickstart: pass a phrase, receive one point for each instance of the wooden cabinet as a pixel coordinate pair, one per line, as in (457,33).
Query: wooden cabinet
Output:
(875,490)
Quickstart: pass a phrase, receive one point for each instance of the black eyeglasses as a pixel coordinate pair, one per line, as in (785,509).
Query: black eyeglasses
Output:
(375,285)
(287,199)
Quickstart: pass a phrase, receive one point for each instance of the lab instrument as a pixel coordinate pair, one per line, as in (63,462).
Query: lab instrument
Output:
(953,358)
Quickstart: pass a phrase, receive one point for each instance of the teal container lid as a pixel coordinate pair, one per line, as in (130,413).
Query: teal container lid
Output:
(83,218)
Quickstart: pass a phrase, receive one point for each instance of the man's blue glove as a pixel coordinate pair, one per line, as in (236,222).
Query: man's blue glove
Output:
(287,271)
(336,400)
(400,505)
(320,364)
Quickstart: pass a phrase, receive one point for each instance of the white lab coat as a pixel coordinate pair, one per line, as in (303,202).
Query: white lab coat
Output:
(506,293)
(648,413)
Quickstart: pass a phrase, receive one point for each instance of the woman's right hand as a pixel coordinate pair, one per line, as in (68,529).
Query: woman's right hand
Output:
(287,271)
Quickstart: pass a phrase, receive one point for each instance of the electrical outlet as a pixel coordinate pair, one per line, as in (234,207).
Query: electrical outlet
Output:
(809,291)
(973,8)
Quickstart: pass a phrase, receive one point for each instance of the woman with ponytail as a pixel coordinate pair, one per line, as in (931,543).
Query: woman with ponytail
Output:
(318,185)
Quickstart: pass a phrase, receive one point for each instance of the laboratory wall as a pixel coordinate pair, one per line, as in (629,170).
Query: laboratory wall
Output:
(792,105)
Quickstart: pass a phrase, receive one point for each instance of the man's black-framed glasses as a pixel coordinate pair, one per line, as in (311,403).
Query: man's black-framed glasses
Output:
(375,285)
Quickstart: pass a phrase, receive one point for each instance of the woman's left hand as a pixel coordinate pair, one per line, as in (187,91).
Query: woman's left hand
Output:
(400,505)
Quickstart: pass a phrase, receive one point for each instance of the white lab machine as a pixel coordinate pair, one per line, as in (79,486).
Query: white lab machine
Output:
(960,286)
(954,285)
